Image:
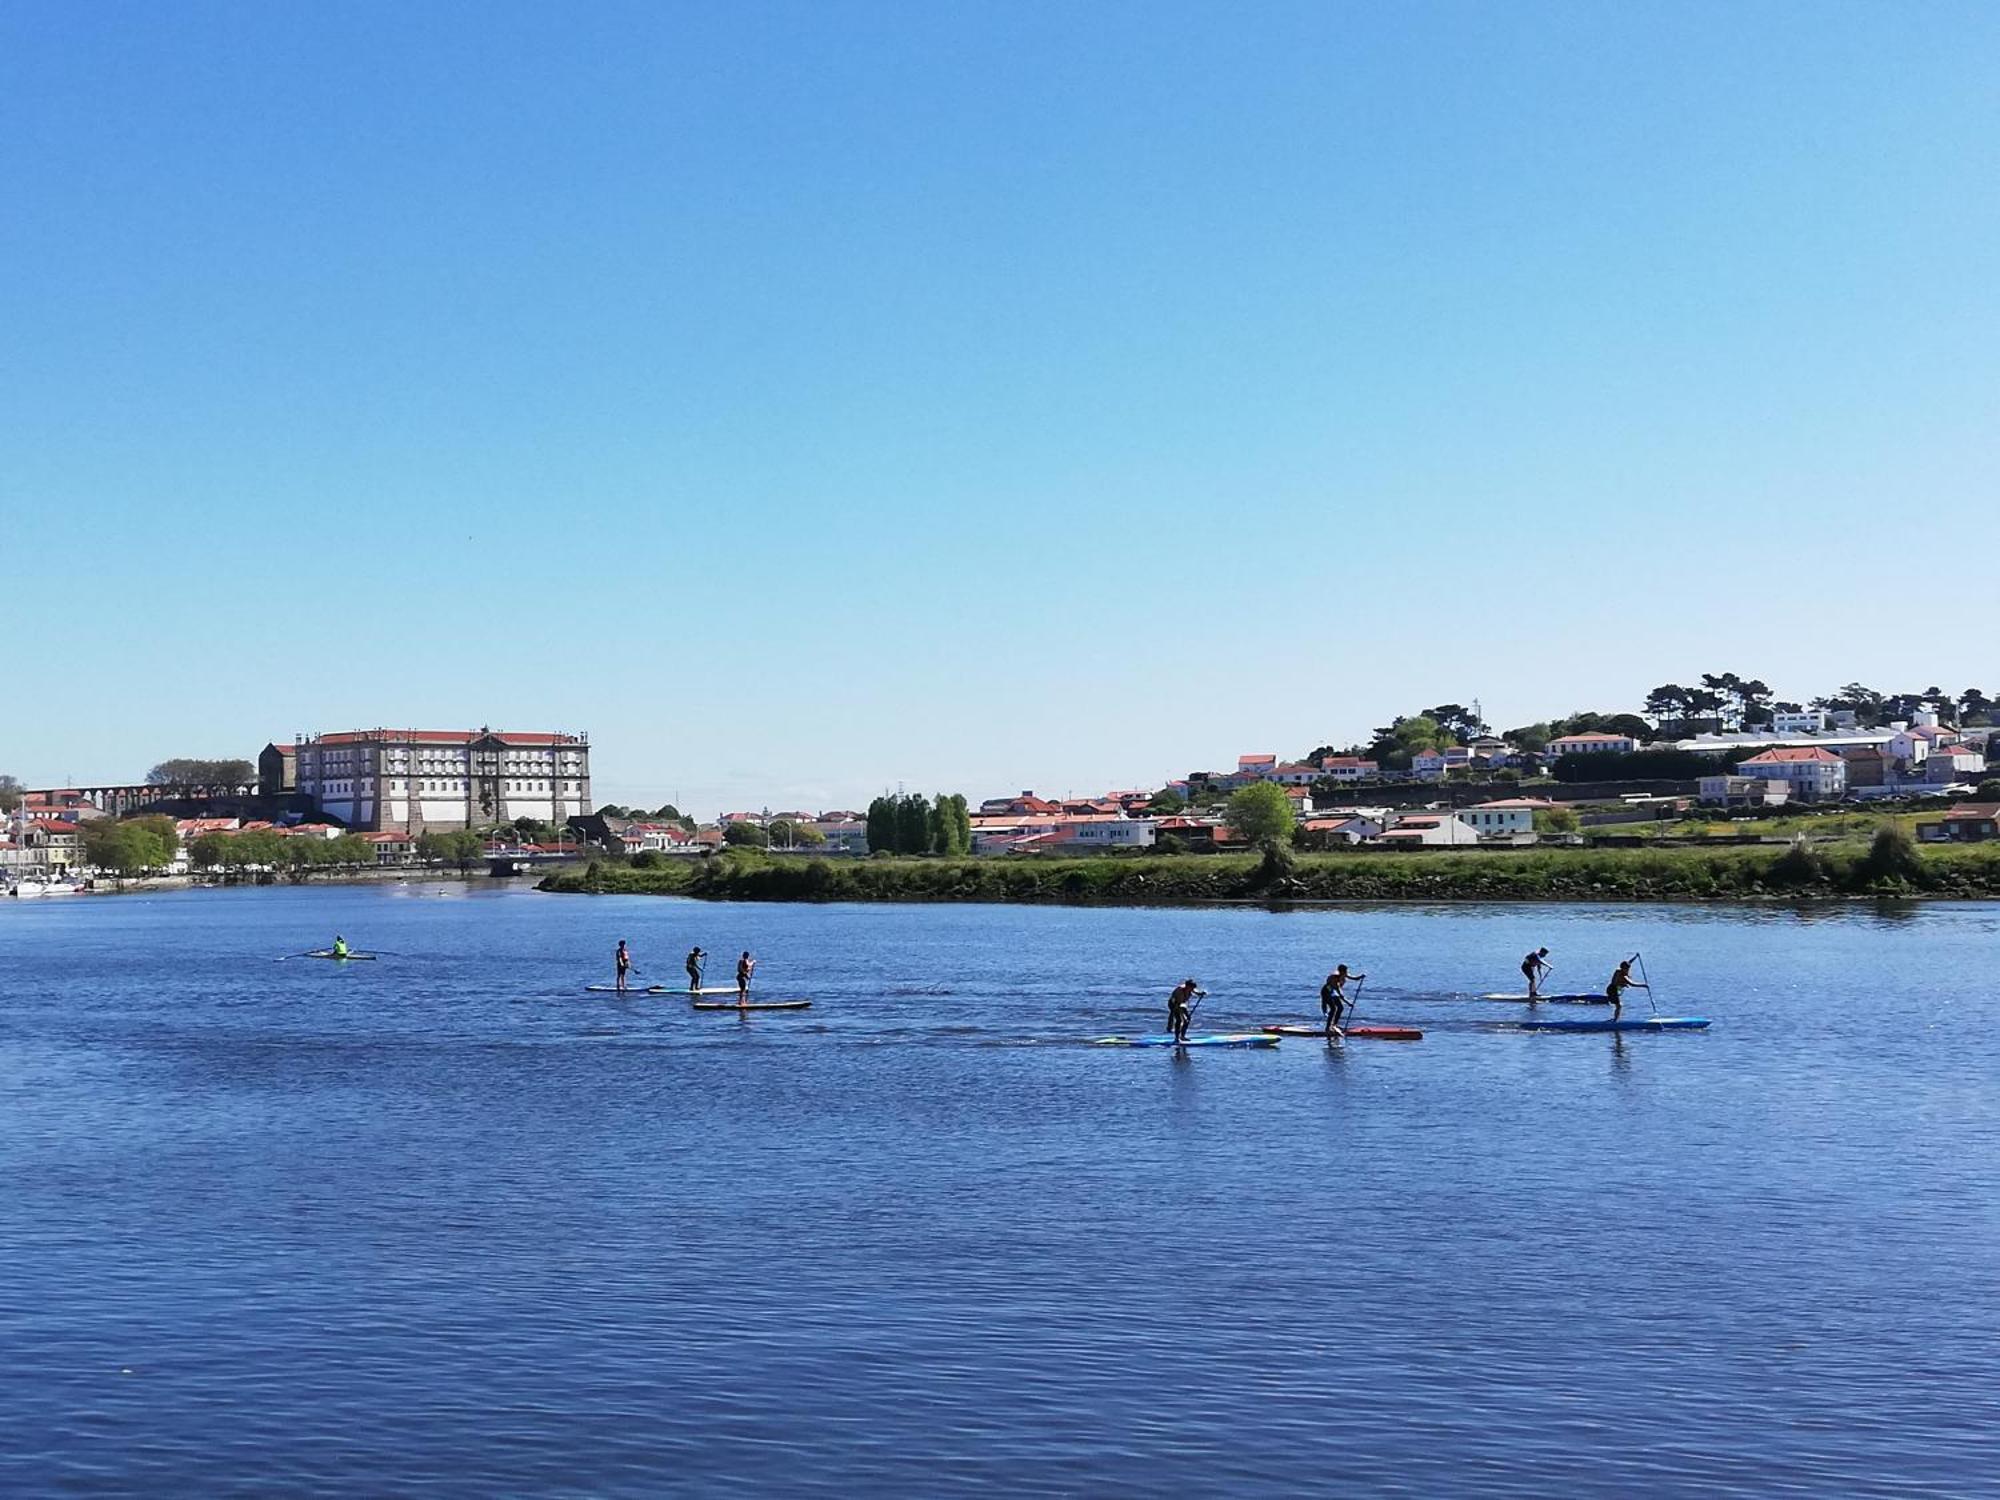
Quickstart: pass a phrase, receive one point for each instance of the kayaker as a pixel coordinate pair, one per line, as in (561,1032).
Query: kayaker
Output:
(745,967)
(1621,981)
(339,946)
(1180,1007)
(694,958)
(1333,997)
(624,964)
(1535,968)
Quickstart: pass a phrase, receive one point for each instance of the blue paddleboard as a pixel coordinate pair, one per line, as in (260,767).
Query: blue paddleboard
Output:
(1197,1039)
(1650,1023)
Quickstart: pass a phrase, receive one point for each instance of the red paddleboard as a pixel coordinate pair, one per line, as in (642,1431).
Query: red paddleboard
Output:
(1378,1033)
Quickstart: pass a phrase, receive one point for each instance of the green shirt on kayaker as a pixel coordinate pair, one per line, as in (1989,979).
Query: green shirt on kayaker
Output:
(339,946)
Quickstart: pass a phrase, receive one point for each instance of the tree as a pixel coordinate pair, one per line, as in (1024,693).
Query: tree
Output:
(1668,701)
(10,793)
(190,771)
(353,849)
(807,836)
(1863,702)
(746,836)
(1166,802)
(1530,737)
(1987,790)
(1557,820)
(1456,720)
(882,826)
(1263,814)
(951,818)
(913,824)
(208,851)
(128,848)
(1974,708)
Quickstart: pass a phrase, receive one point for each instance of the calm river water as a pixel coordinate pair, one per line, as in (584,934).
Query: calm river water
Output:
(445,1224)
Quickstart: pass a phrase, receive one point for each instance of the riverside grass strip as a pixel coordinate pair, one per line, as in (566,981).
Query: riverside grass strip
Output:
(1841,870)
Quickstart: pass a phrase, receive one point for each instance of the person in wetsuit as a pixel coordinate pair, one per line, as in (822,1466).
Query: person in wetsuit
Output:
(1535,968)
(624,961)
(1621,981)
(694,958)
(1180,1008)
(1333,1000)
(745,967)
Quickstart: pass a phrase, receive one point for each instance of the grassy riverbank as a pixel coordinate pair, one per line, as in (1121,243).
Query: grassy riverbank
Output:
(1859,868)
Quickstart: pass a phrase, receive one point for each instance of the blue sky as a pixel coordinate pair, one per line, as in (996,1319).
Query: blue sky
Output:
(807,399)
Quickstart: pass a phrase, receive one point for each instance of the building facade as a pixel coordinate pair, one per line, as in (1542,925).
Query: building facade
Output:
(429,779)
(1814,775)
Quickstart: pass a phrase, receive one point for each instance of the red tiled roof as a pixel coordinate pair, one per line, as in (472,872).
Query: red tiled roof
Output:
(1981,811)
(1595,734)
(441,737)
(1793,754)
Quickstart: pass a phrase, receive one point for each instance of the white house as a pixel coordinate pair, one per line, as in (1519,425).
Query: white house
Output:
(1508,818)
(1745,791)
(1813,774)
(1804,721)
(1593,744)
(1422,829)
(1349,768)
(1348,827)
(1087,835)
(1293,775)
(1428,765)
(1954,763)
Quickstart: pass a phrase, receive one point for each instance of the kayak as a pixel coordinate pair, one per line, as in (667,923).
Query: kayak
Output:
(1597,999)
(1379,1033)
(1199,1039)
(753,1005)
(343,958)
(1649,1023)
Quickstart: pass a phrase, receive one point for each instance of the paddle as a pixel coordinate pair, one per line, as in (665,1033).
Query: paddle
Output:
(1352,1005)
(1646,980)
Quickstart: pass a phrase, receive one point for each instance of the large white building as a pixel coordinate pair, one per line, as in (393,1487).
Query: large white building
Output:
(1593,744)
(420,779)
(1815,774)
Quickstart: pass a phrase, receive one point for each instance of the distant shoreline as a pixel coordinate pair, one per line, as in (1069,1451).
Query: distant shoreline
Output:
(1833,873)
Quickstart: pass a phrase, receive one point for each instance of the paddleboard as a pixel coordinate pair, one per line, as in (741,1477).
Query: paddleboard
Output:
(714,989)
(1597,999)
(630,989)
(1378,1033)
(1649,1023)
(753,1005)
(344,958)
(1198,1039)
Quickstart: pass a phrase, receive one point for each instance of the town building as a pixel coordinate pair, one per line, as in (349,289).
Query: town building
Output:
(1593,744)
(1973,822)
(1951,763)
(1424,829)
(1509,819)
(1744,791)
(1800,721)
(425,779)
(278,770)
(1348,768)
(1428,765)
(1814,775)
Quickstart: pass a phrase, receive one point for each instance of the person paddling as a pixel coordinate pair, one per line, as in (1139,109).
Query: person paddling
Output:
(745,967)
(1333,997)
(1180,1008)
(694,958)
(624,965)
(1621,981)
(339,946)
(1535,968)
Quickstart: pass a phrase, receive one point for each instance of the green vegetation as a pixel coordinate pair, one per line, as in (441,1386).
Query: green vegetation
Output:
(1889,865)
(916,825)
(1262,815)
(746,836)
(10,793)
(190,771)
(131,846)
(463,847)
(266,849)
